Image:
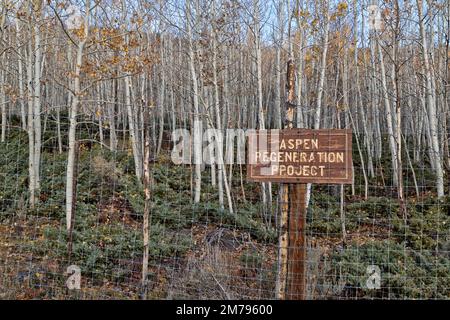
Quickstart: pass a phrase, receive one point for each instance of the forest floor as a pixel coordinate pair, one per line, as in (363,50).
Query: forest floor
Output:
(214,262)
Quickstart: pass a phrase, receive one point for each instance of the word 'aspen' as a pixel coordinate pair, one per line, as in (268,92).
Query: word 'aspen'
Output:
(300,156)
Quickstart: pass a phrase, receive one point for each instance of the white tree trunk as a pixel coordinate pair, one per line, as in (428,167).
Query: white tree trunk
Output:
(323,68)
(2,76)
(389,122)
(30,126)
(72,137)
(197,144)
(37,100)
(278,70)
(134,134)
(431,100)
(73,121)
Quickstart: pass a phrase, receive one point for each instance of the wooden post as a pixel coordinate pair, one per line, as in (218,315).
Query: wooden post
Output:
(291,281)
(283,243)
(296,289)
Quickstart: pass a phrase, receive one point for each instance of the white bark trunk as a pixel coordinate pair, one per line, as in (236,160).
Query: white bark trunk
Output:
(134,134)
(197,121)
(37,100)
(73,122)
(389,122)
(323,68)
(431,100)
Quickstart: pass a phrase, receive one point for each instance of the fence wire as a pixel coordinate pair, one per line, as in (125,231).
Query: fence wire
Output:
(202,251)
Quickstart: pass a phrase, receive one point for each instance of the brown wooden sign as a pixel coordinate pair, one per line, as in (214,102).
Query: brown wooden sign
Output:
(300,156)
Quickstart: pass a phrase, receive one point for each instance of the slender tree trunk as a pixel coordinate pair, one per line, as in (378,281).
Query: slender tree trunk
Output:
(278,71)
(134,133)
(30,127)
(20,76)
(37,99)
(2,79)
(387,104)
(147,205)
(73,120)
(431,100)
(112,116)
(161,97)
(323,68)
(197,120)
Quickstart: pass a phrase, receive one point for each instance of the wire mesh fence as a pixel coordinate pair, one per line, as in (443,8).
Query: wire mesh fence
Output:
(357,248)
(93,204)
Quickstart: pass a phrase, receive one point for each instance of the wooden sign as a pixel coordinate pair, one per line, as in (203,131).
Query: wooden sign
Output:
(300,156)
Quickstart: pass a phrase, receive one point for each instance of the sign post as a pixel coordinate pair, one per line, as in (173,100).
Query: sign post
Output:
(295,157)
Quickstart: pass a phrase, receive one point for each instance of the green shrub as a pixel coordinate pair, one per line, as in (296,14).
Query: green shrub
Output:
(427,226)
(252,259)
(405,273)
(109,251)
